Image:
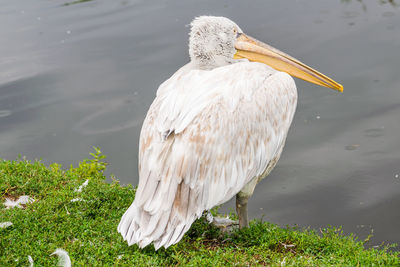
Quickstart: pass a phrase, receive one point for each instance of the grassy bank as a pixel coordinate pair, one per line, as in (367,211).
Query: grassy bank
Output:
(86,228)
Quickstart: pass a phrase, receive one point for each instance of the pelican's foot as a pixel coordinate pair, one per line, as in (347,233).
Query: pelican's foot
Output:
(223,223)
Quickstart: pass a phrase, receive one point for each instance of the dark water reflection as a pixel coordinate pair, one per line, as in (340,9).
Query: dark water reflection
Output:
(83,75)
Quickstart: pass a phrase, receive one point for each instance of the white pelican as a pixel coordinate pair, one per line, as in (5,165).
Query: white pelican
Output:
(215,129)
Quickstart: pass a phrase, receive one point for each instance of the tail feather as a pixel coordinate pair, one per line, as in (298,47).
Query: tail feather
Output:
(165,225)
(161,226)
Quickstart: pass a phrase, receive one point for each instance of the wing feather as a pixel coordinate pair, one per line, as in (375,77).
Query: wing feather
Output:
(206,135)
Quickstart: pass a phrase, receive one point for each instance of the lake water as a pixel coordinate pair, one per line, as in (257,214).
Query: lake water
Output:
(83,75)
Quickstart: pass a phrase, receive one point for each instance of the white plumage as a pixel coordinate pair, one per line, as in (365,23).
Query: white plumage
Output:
(206,135)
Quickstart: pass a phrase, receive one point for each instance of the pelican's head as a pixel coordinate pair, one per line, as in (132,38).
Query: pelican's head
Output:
(218,41)
(212,41)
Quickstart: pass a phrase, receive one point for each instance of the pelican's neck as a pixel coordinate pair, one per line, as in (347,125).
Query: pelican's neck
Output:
(209,62)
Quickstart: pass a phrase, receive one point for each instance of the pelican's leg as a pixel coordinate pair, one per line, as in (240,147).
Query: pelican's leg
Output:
(241,210)
(241,202)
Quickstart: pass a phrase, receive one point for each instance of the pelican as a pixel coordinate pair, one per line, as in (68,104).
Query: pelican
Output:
(216,128)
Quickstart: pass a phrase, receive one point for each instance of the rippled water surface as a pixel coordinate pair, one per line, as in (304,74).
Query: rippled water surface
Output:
(83,75)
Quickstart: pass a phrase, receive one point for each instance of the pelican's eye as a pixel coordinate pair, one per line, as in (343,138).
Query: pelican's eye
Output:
(237,34)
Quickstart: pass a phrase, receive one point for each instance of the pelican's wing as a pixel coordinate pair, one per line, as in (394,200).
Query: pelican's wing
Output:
(206,135)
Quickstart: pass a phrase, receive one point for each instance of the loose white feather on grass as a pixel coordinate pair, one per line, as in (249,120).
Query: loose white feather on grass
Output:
(63,257)
(30,261)
(79,189)
(22,200)
(5,224)
(77,199)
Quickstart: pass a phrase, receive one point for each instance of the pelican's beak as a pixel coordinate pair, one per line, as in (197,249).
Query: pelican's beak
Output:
(254,50)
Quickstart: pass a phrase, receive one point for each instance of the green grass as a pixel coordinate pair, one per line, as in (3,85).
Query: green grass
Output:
(87,229)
